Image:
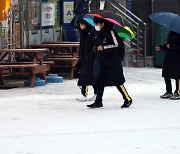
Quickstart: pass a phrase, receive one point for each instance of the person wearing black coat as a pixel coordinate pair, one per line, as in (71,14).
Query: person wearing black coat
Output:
(81,7)
(171,66)
(108,69)
(86,57)
(94,5)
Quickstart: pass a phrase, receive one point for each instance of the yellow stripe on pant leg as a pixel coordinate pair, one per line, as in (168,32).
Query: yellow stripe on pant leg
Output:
(178,86)
(125,92)
(86,91)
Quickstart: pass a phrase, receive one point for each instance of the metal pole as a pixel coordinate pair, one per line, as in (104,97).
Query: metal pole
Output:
(138,43)
(0,35)
(152,26)
(26,20)
(145,45)
(41,3)
(10,29)
(21,20)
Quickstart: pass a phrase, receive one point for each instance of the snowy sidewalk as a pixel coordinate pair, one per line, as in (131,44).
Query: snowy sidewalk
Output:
(53,122)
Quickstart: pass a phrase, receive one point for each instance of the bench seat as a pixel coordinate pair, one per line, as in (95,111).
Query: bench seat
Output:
(63,59)
(33,70)
(18,66)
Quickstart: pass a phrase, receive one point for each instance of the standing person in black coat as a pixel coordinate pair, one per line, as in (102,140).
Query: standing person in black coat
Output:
(171,67)
(108,69)
(94,5)
(86,57)
(81,7)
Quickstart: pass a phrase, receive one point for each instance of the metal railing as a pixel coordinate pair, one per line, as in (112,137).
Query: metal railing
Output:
(137,25)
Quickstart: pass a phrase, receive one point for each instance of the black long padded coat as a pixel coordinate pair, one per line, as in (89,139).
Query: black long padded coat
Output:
(111,57)
(86,55)
(171,67)
(81,7)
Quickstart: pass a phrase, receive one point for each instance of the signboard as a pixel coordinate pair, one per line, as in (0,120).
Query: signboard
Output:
(68,11)
(48,14)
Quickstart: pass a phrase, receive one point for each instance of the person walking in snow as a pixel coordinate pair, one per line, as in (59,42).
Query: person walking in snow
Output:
(108,69)
(171,66)
(86,57)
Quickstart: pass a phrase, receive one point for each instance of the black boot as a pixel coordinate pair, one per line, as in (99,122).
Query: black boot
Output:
(126,104)
(98,101)
(95,105)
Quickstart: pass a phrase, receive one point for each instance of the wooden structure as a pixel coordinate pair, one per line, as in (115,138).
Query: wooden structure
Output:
(35,63)
(64,54)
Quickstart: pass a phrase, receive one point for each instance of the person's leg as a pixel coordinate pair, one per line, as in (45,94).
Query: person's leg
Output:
(168,85)
(95,89)
(93,98)
(100,91)
(176,95)
(126,97)
(84,92)
(124,92)
(168,93)
(99,96)
(178,86)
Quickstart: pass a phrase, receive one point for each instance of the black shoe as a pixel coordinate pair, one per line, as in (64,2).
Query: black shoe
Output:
(126,104)
(94,105)
(166,95)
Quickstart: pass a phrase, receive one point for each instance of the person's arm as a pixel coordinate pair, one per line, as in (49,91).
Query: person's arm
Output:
(115,42)
(162,47)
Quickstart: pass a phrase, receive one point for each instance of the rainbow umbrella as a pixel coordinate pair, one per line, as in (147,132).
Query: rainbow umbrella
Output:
(123,32)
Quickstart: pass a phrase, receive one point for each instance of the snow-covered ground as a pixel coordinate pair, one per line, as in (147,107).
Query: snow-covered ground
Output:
(48,120)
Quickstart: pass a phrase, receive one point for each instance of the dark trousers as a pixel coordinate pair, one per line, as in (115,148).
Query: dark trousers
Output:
(100,91)
(84,90)
(124,93)
(169,85)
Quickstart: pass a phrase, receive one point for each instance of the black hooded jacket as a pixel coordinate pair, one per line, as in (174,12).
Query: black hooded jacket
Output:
(171,67)
(111,57)
(86,54)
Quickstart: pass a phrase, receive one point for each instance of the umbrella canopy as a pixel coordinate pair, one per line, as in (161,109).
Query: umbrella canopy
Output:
(168,20)
(107,15)
(123,32)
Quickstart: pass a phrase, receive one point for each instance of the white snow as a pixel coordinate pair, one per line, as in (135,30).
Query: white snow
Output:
(49,120)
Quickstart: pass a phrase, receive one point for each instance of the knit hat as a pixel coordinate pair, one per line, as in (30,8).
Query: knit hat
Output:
(98,20)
